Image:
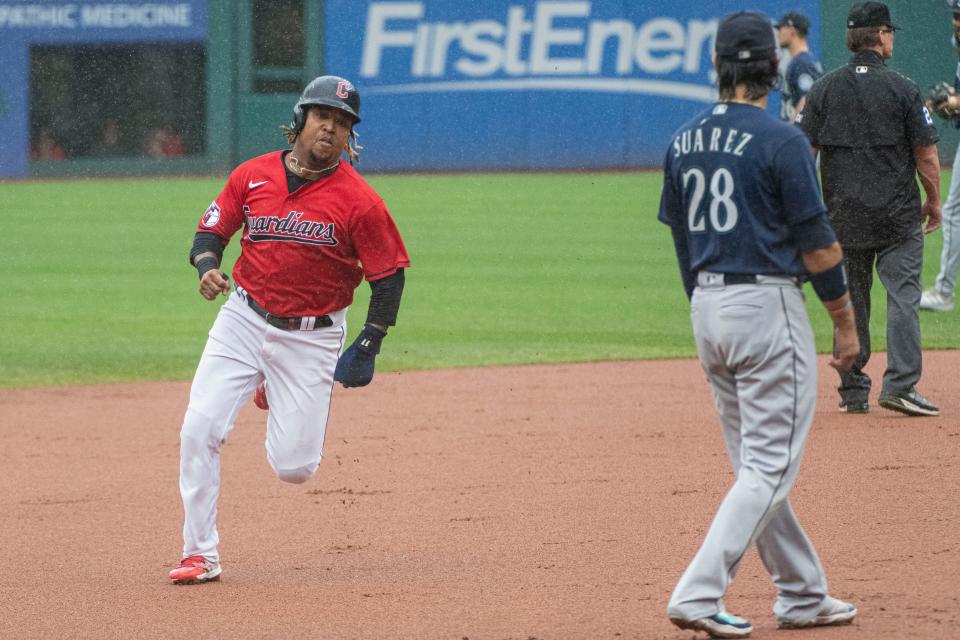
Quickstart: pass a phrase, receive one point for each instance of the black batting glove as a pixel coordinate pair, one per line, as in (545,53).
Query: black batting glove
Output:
(355,366)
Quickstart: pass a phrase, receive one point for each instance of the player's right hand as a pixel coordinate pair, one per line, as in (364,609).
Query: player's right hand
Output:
(846,347)
(214,283)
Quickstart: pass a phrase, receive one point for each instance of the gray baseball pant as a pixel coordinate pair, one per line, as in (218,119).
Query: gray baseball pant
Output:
(757,349)
(950,254)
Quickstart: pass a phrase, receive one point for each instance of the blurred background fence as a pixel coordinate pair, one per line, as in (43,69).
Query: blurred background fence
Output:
(195,86)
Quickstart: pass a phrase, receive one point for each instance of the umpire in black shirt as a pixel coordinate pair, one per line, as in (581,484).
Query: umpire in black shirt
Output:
(875,136)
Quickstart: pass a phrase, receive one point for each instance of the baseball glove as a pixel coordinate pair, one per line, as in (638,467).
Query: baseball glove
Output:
(938,101)
(355,366)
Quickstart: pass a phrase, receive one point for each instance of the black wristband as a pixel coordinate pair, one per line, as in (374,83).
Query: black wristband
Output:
(370,339)
(830,284)
(206,264)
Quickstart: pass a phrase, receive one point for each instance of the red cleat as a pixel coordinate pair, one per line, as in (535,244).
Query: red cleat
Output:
(260,397)
(195,569)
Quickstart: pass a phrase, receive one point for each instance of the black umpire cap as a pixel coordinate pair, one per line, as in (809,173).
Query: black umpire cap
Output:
(798,21)
(746,36)
(869,14)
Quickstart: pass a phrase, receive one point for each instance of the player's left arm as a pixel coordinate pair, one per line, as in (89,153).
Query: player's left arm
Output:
(356,366)
(384,259)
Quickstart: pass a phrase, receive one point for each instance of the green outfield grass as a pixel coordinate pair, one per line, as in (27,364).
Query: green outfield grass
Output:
(507,269)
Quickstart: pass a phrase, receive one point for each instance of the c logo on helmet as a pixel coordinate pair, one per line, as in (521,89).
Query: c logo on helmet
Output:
(343,89)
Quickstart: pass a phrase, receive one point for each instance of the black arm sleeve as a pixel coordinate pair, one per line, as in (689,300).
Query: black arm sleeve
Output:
(385,299)
(203,242)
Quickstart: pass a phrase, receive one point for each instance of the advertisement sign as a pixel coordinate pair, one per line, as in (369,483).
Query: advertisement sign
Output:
(38,22)
(104,20)
(548,84)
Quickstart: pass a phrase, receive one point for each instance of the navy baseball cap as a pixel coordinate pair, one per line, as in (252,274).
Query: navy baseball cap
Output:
(746,36)
(797,21)
(869,14)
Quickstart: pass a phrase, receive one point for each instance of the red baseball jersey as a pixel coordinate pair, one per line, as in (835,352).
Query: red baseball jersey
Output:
(304,253)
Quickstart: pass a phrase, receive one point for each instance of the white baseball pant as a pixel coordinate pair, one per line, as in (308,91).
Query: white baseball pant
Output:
(243,350)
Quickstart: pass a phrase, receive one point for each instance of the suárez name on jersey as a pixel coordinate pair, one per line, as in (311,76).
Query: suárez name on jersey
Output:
(715,139)
(290,228)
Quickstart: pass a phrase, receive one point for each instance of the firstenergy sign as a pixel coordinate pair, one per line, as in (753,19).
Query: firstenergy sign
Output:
(548,46)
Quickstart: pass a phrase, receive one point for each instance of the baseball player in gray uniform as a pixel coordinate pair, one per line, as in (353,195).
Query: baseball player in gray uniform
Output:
(940,297)
(741,197)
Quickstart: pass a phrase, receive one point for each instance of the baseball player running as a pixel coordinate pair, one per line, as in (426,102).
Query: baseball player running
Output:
(945,102)
(740,195)
(312,230)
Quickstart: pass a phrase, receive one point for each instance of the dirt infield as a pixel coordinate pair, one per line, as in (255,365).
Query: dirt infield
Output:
(525,502)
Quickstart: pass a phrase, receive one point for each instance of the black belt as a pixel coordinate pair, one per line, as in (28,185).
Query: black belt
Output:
(288,323)
(739,278)
(711,278)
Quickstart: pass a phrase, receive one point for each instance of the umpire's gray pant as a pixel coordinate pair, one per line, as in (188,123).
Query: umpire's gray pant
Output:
(898,266)
(757,349)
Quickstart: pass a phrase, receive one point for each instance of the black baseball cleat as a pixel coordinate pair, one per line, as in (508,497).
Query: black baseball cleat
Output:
(854,407)
(910,403)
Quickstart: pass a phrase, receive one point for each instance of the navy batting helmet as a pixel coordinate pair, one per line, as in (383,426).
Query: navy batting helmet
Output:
(954,5)
(327,91)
